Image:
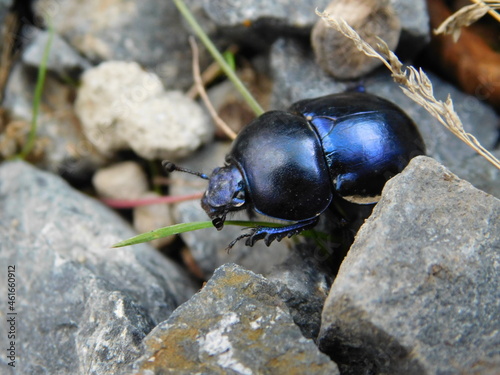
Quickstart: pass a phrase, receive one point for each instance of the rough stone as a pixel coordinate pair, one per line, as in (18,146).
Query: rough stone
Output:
(422,296)
(208,246)
(125,180)
(261,22)
(83,307)
(149,32)
(121,107)
(66,150)
(257,24)
(303,283)
(296,13)
(63,59)
(297,77)
(236,324)
(415,32)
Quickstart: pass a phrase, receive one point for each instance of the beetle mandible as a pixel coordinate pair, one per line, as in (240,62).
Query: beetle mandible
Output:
(289,165)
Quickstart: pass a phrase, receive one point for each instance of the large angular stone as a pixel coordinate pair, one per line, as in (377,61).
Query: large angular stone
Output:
(419,291)
(82,307)
(237,324)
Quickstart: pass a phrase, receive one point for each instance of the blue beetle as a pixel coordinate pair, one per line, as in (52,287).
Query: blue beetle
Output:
(289,165)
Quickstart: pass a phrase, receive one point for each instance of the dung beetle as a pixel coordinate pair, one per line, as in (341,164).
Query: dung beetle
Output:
(290,165)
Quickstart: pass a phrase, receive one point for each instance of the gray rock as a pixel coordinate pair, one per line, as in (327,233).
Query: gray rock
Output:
(415,33)
(82,306)
(236,324)
(67,149)
(4,10)
(258,23)
(418,292)
(149,32)
(303,282)
(208,246)
(63,59)
(231,13)
(298,77)
(271,19)
(481,173)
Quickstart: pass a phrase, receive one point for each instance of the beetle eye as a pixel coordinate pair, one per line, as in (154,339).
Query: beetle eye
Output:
(238,198)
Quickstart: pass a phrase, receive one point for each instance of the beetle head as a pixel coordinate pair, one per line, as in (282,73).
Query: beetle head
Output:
(225,193)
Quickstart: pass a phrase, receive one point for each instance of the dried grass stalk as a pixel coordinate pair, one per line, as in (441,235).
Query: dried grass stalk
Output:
(466,16)
(415,84)
(201,90)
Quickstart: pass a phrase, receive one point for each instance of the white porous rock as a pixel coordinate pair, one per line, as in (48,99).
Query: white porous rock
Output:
(168,126)
(106,95)
(121,106)
(125,180)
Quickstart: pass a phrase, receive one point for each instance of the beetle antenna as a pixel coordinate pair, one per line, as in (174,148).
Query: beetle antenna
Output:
(170,167)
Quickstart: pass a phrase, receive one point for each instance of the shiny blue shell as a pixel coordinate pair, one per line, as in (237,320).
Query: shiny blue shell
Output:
(350,144)
(366,140)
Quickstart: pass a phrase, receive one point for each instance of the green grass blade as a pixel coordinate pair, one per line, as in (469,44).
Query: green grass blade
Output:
(42,72)
(230,59)
(181,228)
(188,227)
(164,232)
(218,57)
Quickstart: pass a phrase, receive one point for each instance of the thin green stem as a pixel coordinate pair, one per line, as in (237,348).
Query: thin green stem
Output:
(42,72)
(218,57)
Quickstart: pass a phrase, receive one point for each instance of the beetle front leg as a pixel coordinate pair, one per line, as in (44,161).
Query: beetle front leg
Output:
(269,234)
